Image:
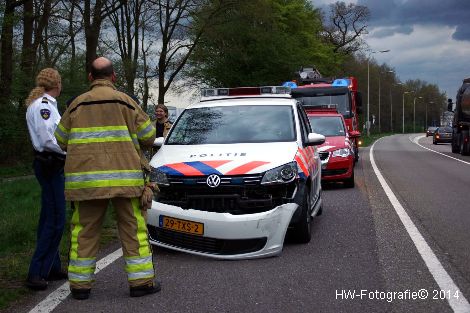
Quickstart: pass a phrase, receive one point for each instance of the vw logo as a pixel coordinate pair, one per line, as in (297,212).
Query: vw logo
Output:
(213,181)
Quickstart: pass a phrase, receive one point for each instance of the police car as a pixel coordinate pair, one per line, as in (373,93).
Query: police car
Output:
(235,172)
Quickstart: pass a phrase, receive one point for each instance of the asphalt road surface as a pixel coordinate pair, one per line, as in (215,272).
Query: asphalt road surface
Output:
(361,257)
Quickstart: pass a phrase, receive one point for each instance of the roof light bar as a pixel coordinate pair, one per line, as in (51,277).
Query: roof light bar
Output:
(244,91)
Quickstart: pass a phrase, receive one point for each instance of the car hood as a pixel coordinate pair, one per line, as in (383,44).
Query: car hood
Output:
(335,143)
(223,159)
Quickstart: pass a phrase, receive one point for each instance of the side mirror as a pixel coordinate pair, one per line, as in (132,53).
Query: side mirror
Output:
(158,142)
(315,139)
(354,134)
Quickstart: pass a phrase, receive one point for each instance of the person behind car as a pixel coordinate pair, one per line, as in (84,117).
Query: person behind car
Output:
(161,123)
(102,131)
(42,118)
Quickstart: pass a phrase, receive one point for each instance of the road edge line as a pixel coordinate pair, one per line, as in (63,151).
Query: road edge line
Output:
(62,292)
(415,140)
(433,264)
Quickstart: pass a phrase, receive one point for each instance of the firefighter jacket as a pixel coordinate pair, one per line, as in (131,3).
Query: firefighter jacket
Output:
(103,132)
(166,127)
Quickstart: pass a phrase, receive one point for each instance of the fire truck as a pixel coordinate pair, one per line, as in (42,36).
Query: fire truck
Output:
(319,94)
(461,124)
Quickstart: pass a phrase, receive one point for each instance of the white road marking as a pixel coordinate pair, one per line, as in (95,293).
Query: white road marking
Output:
(442,278)
(59,295)
(415,140)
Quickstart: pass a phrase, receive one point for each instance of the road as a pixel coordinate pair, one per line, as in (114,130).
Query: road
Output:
(359,245)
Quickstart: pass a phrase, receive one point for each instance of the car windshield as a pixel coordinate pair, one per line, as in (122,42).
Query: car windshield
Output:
(234,124)
(328,126)
(340,100)
(432,128)
(445,130)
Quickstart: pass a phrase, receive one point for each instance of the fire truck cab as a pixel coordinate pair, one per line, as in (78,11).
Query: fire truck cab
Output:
(318,94)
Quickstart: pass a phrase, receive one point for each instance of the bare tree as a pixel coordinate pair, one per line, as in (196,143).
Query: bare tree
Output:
(345,25)
(175,19)
(127,23)
(6,50)
(93,17)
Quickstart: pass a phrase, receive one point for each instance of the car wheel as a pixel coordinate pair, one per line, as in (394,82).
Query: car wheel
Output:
(349,182)
(463,146)
(454,145)
(303,231)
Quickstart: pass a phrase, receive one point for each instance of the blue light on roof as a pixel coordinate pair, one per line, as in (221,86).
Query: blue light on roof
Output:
(290,84)
(341,82)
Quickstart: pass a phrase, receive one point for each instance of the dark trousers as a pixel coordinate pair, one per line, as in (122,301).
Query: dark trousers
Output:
(51,221)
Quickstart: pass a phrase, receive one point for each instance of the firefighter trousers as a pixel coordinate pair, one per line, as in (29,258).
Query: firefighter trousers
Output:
(87,220)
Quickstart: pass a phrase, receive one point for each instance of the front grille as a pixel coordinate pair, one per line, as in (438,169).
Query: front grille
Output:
(206,244)
(324,155)
(235,195)
(245,180)
(334,172)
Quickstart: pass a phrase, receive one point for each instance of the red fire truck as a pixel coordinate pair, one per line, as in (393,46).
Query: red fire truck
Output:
(324,94)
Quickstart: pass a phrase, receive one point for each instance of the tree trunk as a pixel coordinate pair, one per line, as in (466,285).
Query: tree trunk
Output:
(6,52)
(27,53)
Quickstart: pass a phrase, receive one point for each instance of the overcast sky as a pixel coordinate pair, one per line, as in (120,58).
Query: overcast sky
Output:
(428,39)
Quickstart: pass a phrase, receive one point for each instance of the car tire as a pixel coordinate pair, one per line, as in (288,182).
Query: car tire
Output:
(303,230)
(454,145)
(463,146)
(349,182)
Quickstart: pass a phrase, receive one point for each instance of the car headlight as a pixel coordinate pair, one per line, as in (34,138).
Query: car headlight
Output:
(344,153)
(158,177)
(280,175)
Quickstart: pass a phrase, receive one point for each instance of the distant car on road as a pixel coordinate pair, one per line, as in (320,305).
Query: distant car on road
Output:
(442,134)
(430,131)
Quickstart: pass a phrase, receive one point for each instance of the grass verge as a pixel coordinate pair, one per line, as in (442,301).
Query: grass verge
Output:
(367,141)
(19,214)
(22,169)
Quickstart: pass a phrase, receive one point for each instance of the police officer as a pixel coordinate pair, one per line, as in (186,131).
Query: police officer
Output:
(42,118)
(102,131)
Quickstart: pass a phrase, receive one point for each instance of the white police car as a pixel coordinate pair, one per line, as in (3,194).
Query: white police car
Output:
(235,172)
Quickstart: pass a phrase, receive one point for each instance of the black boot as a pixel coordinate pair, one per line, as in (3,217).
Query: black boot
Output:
(144,290)
(80,294)
(36,283)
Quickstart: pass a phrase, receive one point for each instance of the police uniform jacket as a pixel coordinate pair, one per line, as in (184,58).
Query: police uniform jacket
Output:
(103,132)
(42,118)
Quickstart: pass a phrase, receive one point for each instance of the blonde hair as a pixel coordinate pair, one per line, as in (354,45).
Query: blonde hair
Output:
(46,80)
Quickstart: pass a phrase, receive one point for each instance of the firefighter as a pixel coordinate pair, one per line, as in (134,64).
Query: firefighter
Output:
(42,118)
(103,132)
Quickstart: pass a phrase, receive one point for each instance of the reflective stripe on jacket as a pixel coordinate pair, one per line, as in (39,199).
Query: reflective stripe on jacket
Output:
(103,131)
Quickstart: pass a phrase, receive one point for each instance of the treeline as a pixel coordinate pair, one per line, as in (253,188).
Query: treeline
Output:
(161,46)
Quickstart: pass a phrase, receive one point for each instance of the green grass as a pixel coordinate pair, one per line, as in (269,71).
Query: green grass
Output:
(22,169)
(367,141)
(19,214)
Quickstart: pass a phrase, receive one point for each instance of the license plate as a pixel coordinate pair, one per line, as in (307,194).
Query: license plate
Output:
(180,225)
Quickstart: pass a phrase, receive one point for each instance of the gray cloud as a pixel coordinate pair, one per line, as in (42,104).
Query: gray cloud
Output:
(386,32)
(453,13)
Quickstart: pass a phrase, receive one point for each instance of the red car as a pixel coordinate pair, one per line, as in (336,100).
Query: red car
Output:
(336,154)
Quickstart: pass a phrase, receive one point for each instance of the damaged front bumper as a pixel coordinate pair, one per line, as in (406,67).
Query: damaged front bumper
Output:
(225,236)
